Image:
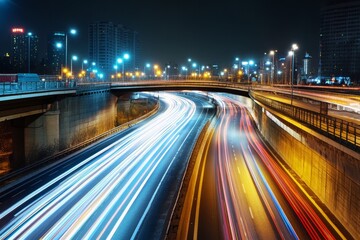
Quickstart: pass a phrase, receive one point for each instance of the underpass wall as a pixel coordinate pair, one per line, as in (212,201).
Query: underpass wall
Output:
(329,169)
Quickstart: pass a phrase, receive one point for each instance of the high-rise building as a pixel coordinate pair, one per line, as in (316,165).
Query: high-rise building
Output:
(307,65)
(32,48)
(108,42)
(56,47)
(102,49)
(340,41)
(129,43)
(18,49)
(24,52)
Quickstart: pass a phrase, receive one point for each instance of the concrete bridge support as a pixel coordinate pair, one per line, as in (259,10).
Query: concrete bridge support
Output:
(34,136)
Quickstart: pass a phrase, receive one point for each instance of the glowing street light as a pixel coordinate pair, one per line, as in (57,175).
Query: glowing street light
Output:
(239,63)
(126,56)
(272,53)
(185,69)
(294,47)
(73,58)
(167,70)
(29,35)
(82,64)
(58,45)
(116,68)
(147,65)
(72,32)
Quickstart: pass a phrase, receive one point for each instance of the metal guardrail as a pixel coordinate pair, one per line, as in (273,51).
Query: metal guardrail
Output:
(8,88)
(344,132)
(11,88)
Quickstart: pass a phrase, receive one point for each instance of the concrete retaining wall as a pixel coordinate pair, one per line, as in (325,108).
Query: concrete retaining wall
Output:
(330,170)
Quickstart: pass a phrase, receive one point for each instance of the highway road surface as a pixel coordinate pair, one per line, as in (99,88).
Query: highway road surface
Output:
(245,193)
(121,188)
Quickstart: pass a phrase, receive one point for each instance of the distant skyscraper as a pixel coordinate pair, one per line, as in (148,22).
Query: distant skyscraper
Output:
(128,42)
(18,52)
(56,47)
(109,41)
(24,48)
(102,45)
(307,65)
(340,40)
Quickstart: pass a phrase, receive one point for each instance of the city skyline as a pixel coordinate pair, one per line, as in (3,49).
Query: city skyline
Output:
(207,32)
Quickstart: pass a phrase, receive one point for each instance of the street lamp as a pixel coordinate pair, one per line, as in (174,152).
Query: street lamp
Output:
(116,68)
(166,71)
(72,32)
(272,53)
(126,56)
(185,69)
(294,47)
(146,66)
(29,36)
(121,61)
(239,64)
(82,64)
(73,58)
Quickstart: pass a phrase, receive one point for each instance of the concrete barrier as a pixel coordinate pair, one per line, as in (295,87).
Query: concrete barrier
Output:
(328,168)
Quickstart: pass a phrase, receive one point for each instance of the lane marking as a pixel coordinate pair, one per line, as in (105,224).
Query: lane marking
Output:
(244,188)
(252,216)
(53,173)
(17,193)
(35,183)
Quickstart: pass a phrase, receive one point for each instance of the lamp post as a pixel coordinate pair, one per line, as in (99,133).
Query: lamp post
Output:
(239,63)
(294,47)
(72,32)
(29,36)
(272,53)
(146,66)
(126,56)
(194,65)
(167,70)
(185,70)
(116,70)
(73,58)
(121,61)
(82,64)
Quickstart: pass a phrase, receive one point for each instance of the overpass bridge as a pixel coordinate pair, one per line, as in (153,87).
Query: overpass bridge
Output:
(34,98)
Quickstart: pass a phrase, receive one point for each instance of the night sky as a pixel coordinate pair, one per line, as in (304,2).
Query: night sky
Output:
(206,31)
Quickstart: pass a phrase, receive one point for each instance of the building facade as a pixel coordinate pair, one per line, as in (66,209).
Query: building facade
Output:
(24,50)
(340,41)
(56,47)
(102,49)
(108,42)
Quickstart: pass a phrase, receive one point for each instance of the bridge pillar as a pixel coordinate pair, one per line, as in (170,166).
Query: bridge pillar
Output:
(41,136)
(17,158)
(34,137)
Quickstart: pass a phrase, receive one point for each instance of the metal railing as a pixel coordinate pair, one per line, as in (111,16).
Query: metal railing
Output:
(344,132)
(7,88)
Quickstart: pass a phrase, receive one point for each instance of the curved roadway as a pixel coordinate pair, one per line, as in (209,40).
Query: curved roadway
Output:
(246,194)
(121,188)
